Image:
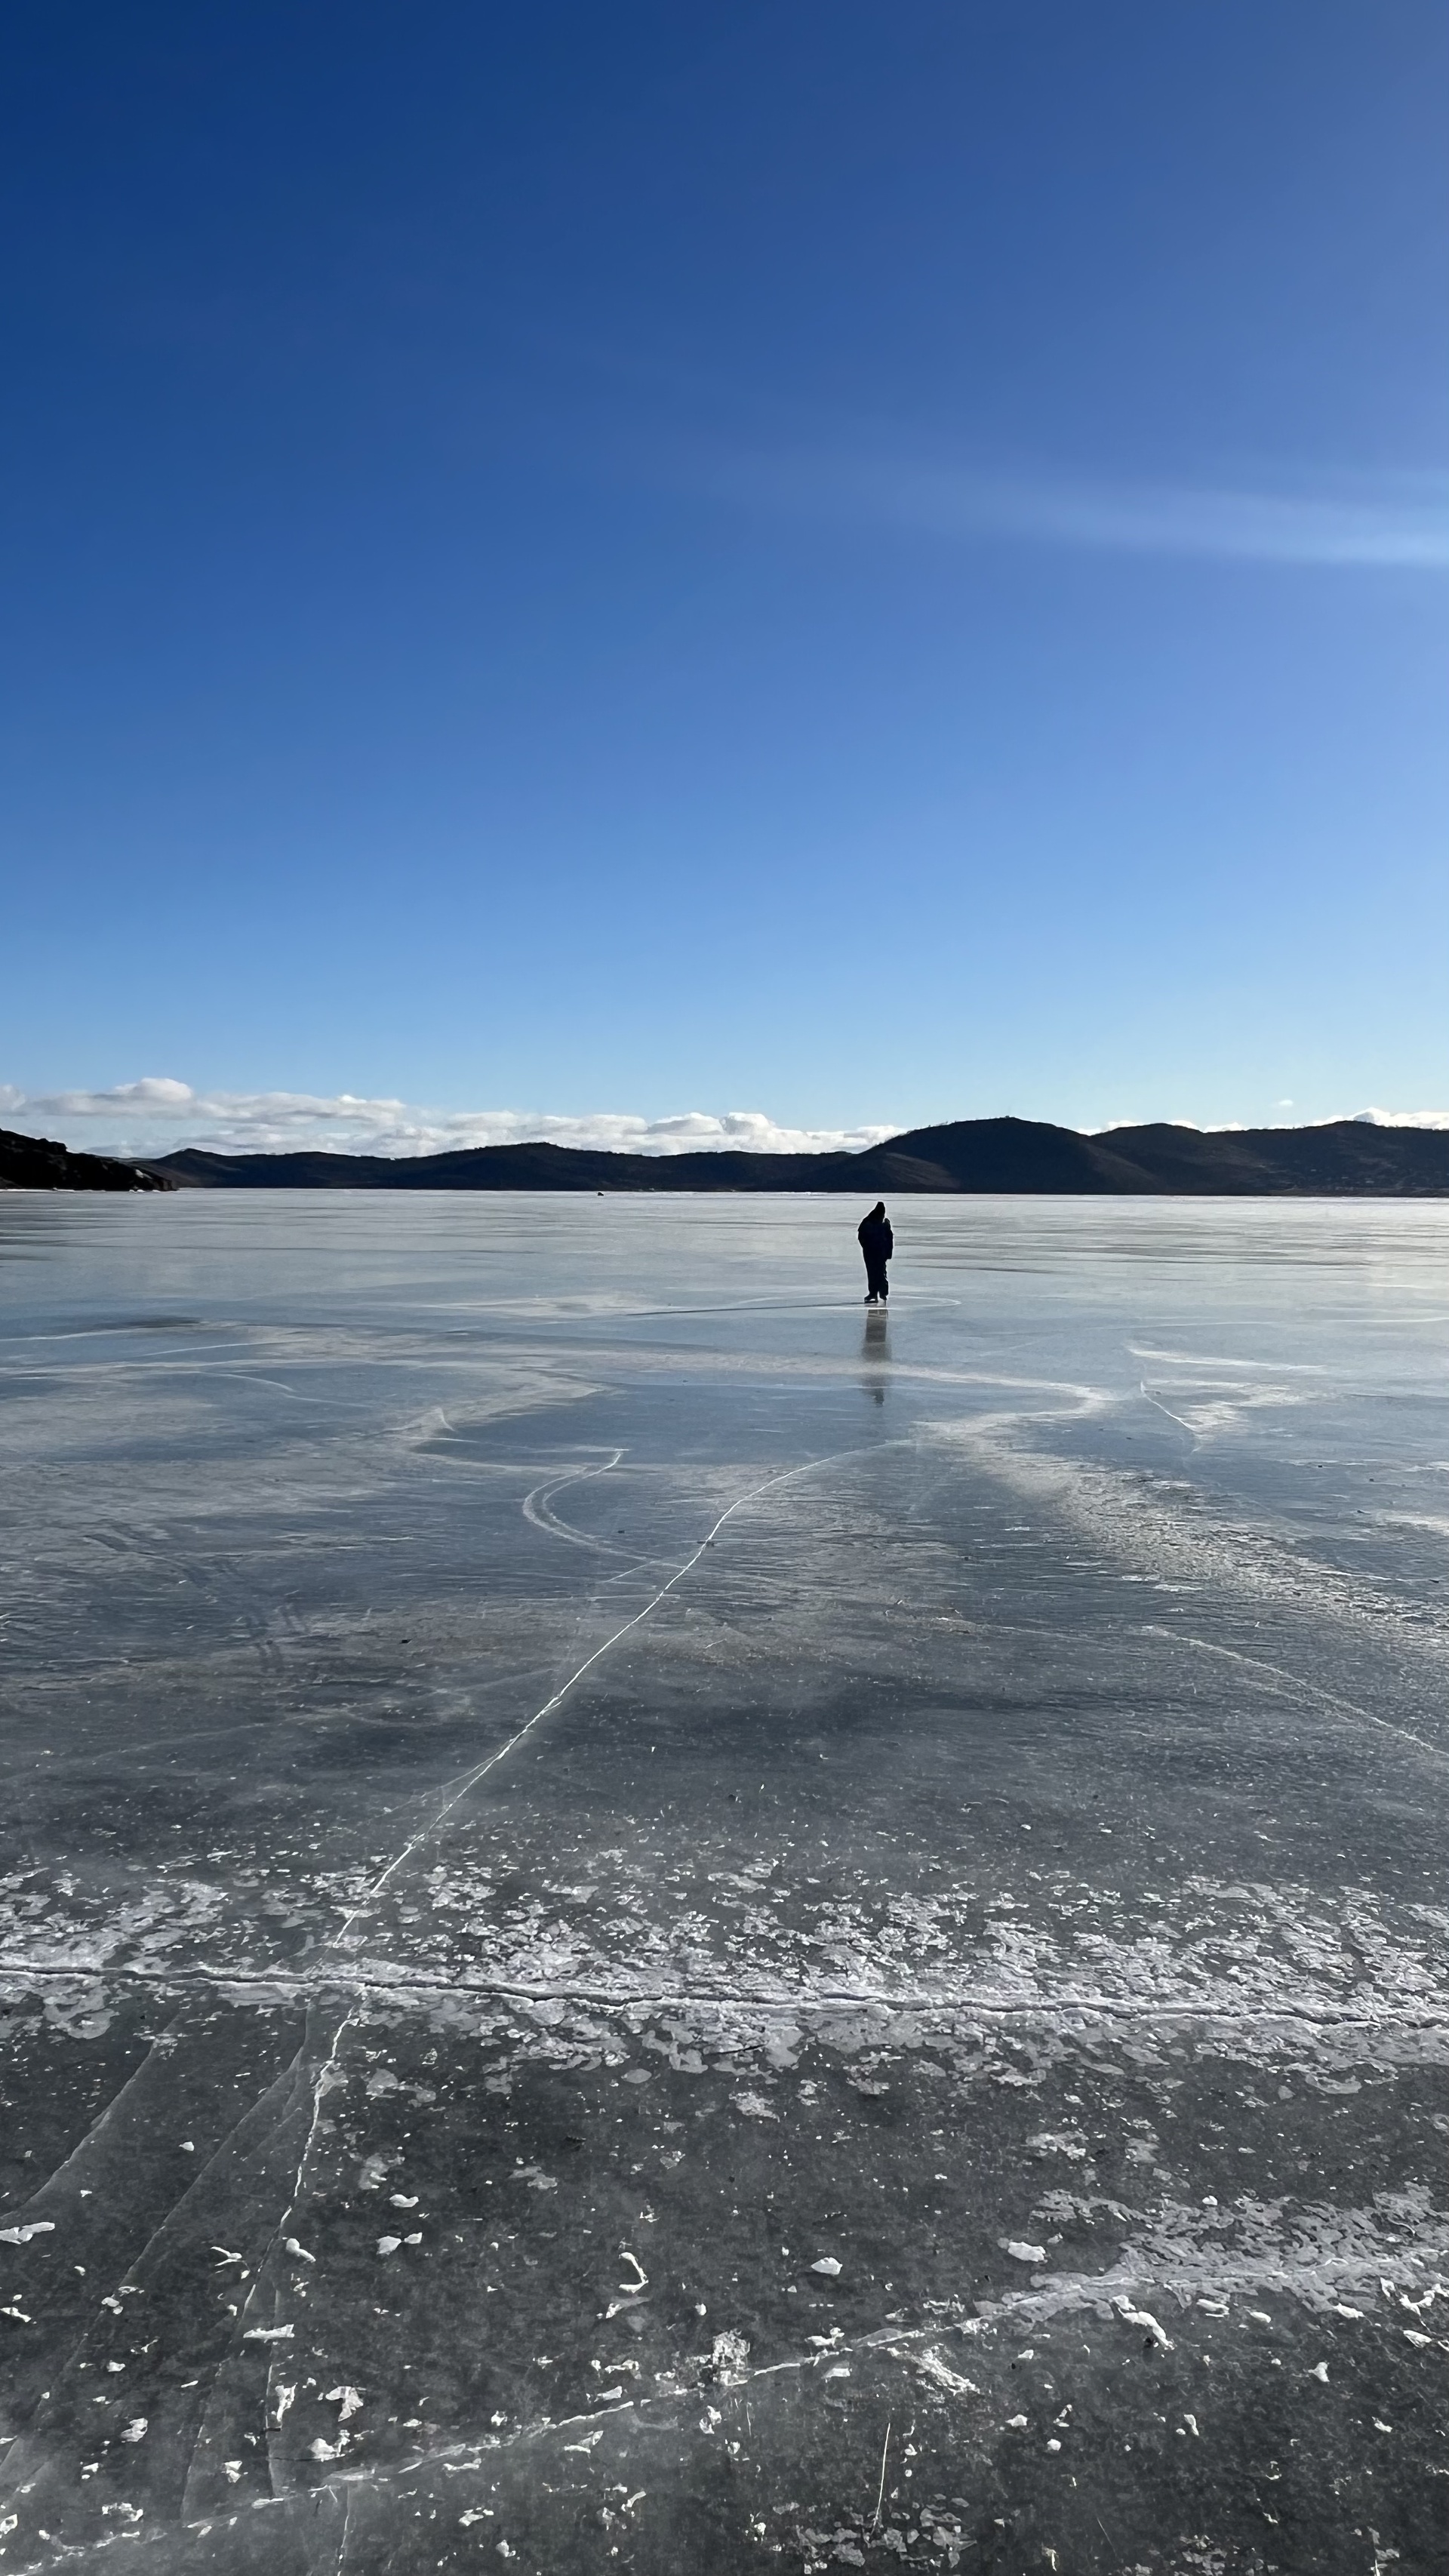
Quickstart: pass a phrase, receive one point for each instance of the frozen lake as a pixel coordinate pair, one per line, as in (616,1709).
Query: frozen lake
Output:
(650,1924)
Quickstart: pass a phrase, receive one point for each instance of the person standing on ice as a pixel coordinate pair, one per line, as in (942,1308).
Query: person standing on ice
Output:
(876,1241)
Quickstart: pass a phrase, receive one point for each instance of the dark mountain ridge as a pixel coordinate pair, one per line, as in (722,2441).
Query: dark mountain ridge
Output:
(39,1163)
(1014,1156)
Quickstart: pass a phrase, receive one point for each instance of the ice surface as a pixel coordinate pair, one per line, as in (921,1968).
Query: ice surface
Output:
(650,1922)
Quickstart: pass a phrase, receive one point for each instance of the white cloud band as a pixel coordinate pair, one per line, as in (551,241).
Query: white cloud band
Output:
(158,1114)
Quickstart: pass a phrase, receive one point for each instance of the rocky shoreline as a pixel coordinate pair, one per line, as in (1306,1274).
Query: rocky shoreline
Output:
(40,1163)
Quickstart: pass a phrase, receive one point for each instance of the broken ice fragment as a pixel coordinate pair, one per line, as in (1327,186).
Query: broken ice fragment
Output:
(388,2244)
(1021,2252)
(292,2247)
(1143,2317)
(729,2358)
(1417,2306)
(932,2367)
(828,2266)
(23,2235)
(268,2334)
(135,2431)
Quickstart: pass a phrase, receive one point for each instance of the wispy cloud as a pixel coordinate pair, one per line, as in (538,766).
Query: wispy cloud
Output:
(1395,521)
(1402,1117)
(158,1114)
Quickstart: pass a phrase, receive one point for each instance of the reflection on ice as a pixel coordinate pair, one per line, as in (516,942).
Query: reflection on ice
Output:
(512,1759)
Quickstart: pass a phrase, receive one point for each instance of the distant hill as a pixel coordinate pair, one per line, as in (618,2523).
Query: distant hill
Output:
(1015,1156)
(38,1163)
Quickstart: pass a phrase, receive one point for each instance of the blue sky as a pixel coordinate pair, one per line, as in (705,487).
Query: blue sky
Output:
(851,563)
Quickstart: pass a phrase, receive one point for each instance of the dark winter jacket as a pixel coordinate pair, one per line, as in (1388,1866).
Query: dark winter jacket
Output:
(874,1236)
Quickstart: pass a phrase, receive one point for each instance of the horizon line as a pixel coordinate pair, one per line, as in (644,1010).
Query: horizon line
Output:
(166,1117)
